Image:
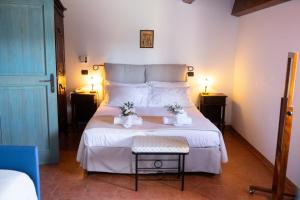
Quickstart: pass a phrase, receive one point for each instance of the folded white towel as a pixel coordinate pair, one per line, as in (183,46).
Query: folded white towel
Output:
(178,120)
(169,120)
(128,121)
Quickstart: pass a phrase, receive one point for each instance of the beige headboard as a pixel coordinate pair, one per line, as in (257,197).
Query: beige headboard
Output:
(125,73)
(166,72)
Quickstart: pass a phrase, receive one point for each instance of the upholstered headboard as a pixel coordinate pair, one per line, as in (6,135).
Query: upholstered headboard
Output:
(125,73)
(166,72)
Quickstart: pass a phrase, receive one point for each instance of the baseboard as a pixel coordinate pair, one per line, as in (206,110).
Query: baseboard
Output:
(291,186)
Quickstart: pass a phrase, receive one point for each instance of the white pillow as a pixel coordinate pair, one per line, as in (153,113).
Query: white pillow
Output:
(163,96)
(119,94)
(167,84)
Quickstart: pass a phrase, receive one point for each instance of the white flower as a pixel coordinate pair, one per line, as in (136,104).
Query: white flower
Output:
(175,109)
(127,109)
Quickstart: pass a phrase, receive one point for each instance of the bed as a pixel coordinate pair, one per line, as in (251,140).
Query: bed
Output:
(105,147)
(19,173)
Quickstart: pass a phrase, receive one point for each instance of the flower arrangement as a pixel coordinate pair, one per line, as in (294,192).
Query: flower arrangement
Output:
(128,109)
(175,109)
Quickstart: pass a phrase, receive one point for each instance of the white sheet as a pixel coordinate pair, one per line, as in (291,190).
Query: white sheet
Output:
(202,134)
(121,160)
(16,185)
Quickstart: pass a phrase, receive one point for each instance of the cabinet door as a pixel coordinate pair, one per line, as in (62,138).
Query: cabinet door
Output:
(28,102)
(213,113)
(59,43)
(85,107)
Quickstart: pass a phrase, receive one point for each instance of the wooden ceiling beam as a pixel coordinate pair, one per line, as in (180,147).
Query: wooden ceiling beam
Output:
(243,7)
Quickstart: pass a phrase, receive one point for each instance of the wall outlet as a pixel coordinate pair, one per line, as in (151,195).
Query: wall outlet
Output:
(83,59)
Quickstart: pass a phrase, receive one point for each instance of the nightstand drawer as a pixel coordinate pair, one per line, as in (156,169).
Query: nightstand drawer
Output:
(213,100)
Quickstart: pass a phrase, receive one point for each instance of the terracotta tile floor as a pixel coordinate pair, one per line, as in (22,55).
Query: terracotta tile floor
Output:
(67,181)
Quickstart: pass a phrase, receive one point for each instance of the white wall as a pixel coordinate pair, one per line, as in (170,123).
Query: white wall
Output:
(264,40)
(202,34)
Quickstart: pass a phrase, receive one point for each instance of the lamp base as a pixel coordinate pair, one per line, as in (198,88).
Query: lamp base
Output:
(93,91)
(205,93)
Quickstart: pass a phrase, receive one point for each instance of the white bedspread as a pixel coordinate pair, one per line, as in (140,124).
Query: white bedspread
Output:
(16,185)
(101,131)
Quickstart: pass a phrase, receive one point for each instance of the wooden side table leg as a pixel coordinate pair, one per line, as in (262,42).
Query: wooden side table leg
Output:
(223,118)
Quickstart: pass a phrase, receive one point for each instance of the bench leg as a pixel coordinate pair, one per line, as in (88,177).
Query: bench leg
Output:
(179,166)
(182,173)
(136,172)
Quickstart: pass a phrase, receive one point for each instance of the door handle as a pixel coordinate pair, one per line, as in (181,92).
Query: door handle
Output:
(51,80)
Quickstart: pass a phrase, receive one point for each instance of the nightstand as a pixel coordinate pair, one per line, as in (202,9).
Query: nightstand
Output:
(212,106)
(83,105)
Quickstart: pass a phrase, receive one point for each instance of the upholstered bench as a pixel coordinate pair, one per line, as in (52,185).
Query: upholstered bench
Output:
(160,145)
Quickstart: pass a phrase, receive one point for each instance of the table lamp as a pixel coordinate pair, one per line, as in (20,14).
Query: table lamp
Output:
(205,83)
(92,82)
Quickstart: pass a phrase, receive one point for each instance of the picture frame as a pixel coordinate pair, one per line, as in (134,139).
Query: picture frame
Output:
(146,38)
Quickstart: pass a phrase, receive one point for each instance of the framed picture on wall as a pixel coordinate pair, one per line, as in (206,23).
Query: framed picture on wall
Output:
(146,38)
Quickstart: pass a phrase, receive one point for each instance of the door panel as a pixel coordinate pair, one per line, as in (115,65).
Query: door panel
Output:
(24,39)
(25,107)
(28,108)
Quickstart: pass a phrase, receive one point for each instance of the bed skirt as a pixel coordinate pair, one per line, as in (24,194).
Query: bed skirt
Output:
(121,160)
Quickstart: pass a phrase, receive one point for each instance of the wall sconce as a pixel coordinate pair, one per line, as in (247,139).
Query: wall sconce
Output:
(86,71)
(96,67)
(190,71)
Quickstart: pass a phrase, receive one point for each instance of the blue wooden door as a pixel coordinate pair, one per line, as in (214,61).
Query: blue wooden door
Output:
(28,105)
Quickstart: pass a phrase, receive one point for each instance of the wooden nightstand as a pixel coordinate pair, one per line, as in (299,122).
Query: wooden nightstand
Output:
(84,105)
(212,106)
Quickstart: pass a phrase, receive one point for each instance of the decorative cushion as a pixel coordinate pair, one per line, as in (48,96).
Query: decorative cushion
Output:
(166,72)
(160,144)
(124,73)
